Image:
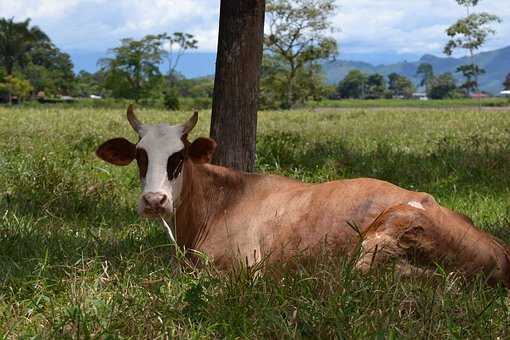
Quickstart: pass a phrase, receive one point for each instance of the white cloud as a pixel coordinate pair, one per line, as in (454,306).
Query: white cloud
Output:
(37,9)
(403,26)
(100,24)
(364,26)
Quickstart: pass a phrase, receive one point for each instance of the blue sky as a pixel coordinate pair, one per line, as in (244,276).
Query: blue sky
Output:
(370,30)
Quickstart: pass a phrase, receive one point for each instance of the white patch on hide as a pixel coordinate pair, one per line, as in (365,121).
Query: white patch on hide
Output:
(415,204)
(160,142)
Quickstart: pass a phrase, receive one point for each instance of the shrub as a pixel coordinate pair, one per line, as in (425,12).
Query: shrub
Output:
(171,100)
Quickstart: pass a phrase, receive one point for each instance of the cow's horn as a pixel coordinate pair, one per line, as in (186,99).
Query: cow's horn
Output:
(190,124)
(133,121)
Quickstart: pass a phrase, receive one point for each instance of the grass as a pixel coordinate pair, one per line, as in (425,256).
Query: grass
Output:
(76,261)
(387,103)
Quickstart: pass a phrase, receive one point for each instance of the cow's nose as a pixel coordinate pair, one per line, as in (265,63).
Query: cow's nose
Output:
(155,200)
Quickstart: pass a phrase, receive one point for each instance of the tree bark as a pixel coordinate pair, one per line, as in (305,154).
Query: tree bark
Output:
(236,83)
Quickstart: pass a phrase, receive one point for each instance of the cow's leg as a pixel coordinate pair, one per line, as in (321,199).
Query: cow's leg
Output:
(392,237)
(418,238)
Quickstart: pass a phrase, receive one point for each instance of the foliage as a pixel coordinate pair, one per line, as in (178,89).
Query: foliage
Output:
(506,83)
(442,87)
(87,84)
(77,261)
(133,70)
(50,70)
(400,86)
(171,100)
(180,41)
(195,88)
(357,85)
(202,103)
(273,81)
(16,86)
(468,3)
(470,72)
(296,40)
(376,86)
(309,83)
(16,40)
(353,85)
(470,33)
(426,72)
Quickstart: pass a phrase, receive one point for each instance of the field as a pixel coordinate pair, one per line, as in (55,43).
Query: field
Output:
(77,262)
(438,104)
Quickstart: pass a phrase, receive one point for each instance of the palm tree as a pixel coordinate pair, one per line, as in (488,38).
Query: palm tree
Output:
(16,39)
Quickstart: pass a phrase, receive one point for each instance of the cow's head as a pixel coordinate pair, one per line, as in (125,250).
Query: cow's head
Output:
(162,152)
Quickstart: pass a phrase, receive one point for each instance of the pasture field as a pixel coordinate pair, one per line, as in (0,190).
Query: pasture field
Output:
(438,104)
(77,262)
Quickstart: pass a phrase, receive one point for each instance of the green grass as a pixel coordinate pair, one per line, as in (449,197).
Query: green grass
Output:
(387,103)
(76,261)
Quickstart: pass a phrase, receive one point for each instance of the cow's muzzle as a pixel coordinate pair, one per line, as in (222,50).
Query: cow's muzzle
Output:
(154,204)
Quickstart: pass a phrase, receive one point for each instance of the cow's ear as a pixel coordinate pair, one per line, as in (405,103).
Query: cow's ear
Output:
(117,151)
(202,150)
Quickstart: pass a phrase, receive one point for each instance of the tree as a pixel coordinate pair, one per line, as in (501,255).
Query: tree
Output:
(470,33)
(376,86)
(471,73)
(400,86)
(235,97)
(86,84)
(133,71)
(426,72)
(442,87)
(174,46)
(16,86)
(49,70)
(296,35)
(16,40)
(201,87)
(354,85)
(506,83)
(310,83)
(273,75)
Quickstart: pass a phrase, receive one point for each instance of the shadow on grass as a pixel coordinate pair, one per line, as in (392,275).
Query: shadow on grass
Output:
(61,225)
(476,165)
(45,249)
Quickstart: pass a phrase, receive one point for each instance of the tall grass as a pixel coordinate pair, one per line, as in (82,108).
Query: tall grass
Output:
(77,262)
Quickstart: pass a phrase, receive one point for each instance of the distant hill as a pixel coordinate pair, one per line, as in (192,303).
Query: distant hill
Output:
(496,63)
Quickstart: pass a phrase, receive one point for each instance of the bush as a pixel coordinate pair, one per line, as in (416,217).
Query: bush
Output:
(202,103)
(171,100)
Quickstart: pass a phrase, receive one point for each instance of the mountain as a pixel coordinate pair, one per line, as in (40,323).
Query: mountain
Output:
(197,64)
(496,64)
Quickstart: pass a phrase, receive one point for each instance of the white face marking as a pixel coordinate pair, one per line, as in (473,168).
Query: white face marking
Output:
(416,204)
(160,142)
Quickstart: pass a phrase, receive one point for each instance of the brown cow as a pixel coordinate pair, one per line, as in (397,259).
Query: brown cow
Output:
(231,215)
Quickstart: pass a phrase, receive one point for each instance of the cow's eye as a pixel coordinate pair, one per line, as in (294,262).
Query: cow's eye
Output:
(143,161)
(174,165)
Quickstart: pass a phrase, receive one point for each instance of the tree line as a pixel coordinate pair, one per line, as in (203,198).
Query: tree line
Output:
(357,85)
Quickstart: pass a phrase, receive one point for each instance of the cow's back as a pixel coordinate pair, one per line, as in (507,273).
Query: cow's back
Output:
(279,218)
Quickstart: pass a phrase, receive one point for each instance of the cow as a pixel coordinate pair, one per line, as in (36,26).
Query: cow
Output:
(235,216)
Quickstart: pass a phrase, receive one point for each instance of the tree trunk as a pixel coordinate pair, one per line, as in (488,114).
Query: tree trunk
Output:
(290,88)
(236,83)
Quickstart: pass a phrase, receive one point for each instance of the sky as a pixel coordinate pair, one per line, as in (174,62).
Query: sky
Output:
(377,31)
